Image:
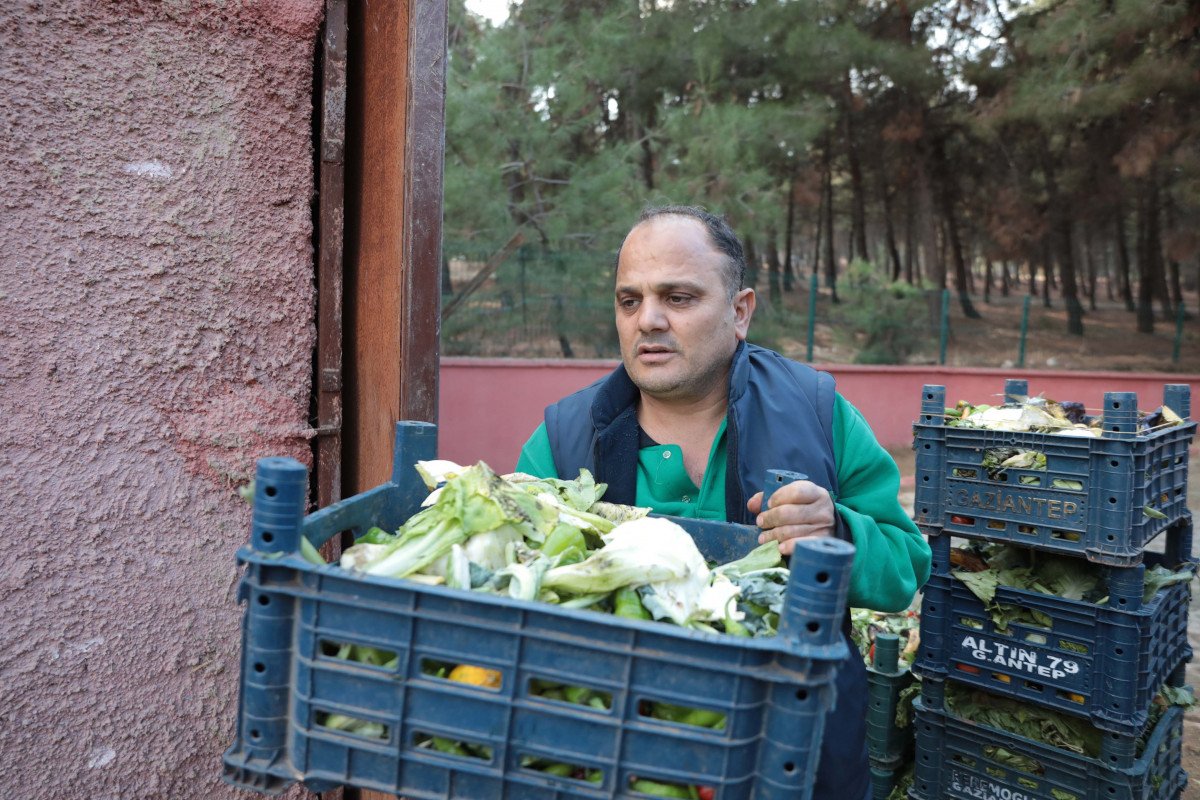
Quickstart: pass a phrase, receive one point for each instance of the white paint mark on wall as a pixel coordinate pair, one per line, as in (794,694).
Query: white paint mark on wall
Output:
(101,757)
(149,169)
(87,644)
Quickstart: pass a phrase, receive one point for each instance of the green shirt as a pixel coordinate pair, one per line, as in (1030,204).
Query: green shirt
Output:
(892,558)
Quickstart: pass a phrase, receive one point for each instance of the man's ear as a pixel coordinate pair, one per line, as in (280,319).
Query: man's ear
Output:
(743,309)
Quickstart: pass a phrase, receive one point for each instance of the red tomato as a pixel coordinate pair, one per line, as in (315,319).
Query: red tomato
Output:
(706,792)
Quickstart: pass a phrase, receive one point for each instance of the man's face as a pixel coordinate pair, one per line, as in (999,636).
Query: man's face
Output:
(677,323)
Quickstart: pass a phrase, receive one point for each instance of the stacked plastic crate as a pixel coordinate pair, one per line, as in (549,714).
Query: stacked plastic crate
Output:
(1101,662)
(505,738)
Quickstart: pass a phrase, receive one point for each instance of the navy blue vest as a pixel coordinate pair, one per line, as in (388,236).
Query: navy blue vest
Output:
(780,417)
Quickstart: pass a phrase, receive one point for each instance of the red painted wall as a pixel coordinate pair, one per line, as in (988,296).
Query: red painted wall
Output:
(155,338)
(489,407)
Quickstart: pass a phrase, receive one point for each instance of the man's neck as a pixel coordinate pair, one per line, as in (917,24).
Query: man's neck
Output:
(660,418)
(692,425)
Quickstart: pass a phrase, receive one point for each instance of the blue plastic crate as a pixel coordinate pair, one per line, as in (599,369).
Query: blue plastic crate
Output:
(955,759)
(773,692)
(1119,474)
(1103,662)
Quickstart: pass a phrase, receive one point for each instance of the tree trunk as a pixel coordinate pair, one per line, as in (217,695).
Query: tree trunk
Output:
(774,289)
(889,228)
(751,262)
(987,280)
(1110,275)
(1154,249)
(830,262)
(1066,272)
(1124,279)
(1047,269)
(935,267)
(1089,265)
(789,232)
(910,240)
(956,251)
(1145,294)
(858,209)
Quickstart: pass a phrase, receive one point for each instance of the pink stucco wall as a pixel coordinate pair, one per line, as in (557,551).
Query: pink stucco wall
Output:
(488,407)
(155,337)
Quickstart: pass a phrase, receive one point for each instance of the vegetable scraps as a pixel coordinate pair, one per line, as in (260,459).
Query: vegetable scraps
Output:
(1046,725)
(556,541)
(985,567)
(1040,414)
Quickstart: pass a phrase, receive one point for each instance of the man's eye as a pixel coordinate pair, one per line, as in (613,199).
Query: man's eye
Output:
(628,303)
(678,299)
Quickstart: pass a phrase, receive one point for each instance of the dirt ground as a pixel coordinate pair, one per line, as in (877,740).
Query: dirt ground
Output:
(1191,736)
(1110,341)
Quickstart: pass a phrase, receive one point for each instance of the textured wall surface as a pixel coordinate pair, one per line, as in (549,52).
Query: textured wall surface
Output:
(155,337)
(518,391)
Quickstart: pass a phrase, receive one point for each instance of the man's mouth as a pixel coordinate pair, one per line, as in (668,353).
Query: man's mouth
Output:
(654,352)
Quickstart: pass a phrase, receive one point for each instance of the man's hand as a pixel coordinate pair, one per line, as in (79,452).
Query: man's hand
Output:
(797,509)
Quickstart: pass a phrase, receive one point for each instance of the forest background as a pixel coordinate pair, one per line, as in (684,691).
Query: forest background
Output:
(879,152)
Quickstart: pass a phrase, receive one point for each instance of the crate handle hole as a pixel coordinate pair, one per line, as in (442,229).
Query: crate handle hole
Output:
(254,734)
(822,577)
(932,608)
(259,666)
(802,694)
(789,767)
(270,491)
(264,600)
(268,537)
(813,626)
(1120,651)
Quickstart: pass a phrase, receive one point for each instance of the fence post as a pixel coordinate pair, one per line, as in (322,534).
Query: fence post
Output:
(1024,331)
(812,316)
(945,326)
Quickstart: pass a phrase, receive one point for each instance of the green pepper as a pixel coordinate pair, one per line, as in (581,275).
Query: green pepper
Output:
(735,628)
(656,789)
(577,694)
(627,603)
(563,538)
(451,747)
(562,770)
(310,553)
(684,715)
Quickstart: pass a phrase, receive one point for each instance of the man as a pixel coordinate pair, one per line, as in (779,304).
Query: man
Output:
(694,416)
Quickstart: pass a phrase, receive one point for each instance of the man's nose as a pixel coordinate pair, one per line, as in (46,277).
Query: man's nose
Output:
(651,316)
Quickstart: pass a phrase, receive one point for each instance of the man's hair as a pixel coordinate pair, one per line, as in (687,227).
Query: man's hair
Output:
(720,236)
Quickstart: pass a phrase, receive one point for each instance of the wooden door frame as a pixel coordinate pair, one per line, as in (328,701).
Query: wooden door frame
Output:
(395,147)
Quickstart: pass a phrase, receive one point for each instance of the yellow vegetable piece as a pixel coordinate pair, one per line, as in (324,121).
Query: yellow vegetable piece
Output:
(476,676)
